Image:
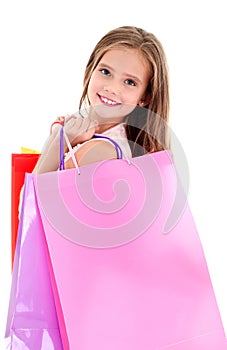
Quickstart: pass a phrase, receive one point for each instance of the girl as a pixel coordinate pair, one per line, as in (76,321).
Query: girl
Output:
(126,70)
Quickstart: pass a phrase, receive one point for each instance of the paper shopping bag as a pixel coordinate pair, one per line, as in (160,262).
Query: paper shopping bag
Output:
(20,164)
(129,268)
(32,319)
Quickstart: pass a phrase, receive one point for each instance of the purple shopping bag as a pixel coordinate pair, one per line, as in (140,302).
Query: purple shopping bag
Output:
(32,319)
(129,268)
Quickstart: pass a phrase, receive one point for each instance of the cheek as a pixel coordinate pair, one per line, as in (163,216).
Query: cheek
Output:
(90,89)
(132,98)
(93,85)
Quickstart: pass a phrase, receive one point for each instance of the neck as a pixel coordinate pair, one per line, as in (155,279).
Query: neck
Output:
(104,127)
(105,120)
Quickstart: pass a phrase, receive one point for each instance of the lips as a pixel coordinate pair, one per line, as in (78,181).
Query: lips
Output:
(108,101)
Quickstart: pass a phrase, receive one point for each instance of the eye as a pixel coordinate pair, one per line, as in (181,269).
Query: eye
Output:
(105,71)
(130,82)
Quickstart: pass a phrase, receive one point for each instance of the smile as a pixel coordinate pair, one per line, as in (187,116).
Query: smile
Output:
(108,102)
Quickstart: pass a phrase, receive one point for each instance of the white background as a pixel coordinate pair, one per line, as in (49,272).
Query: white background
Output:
(44,49)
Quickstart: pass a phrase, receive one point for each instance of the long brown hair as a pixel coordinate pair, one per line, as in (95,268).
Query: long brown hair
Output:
(146,128)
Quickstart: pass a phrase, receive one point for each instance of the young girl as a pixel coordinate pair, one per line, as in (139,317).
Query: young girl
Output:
(126,70)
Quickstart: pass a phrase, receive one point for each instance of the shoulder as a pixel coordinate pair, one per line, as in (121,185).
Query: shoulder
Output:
(92,151)
(118,134)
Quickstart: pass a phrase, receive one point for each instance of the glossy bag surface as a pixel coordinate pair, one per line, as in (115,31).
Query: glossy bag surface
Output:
(128,268)
(32,322)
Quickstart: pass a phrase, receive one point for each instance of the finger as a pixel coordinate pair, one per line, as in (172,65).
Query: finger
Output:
(69,117)
(74,122)
(60,119)
(92,124)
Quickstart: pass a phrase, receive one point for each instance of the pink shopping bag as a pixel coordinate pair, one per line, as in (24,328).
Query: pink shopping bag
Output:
(32,318)
(128,269)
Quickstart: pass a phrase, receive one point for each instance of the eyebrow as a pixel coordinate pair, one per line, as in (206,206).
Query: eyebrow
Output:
(104,65)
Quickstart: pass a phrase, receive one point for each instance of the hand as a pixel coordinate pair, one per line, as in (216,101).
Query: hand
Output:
(79,129)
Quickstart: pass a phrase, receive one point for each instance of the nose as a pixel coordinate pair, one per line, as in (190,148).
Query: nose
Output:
(113,87)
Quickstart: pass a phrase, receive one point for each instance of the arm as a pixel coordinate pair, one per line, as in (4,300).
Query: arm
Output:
(49,158)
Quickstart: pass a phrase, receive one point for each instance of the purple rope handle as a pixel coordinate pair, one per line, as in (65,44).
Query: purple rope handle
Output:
(96,136)
(62,153)
(117,147)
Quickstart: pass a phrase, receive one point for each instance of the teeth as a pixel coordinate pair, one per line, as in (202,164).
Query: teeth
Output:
(109,102)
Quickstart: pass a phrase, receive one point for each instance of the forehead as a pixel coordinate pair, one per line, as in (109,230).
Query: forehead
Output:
(127,60)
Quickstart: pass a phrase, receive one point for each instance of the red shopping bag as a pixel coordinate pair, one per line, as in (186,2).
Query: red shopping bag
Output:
(20,164)
(123,278)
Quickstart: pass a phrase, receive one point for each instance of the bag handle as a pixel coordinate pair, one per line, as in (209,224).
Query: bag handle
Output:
(62,153)
(117,147)
(63,136)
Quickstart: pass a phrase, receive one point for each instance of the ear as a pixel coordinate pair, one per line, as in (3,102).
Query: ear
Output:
(145,100)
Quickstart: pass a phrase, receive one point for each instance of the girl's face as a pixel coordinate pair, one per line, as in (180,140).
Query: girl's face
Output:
(120,78)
